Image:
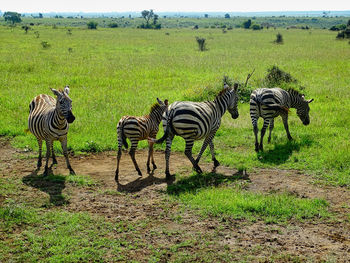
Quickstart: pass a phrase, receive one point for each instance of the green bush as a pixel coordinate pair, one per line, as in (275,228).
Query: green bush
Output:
(279,39)
(201,43)
(113,25)
(92,25)
(256,27)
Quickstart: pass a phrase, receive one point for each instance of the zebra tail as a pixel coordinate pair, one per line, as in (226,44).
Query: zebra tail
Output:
(121,135)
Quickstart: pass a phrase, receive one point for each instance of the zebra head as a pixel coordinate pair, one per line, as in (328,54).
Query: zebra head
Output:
(303,110)
(64,104)
(233,101)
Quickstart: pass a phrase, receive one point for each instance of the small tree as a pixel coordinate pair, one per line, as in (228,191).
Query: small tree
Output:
(92,25)
(227,16)
(247,24)
(201,43)
(13,17)
(279,39)
(149,15)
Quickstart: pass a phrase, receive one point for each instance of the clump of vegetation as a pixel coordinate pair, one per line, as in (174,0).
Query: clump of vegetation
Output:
(247,24)
(201,43)
(92,25)
(256,27)
(151,20)
(12,17)
(69,31)
(338,27)
(25,28)
(45,44)
(37,34)
(113,25)
(92,147)
(345,32)
(244,90)
(279,39)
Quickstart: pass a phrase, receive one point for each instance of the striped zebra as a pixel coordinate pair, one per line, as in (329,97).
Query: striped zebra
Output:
(48,120)
(197,120)
(270,103)
(137,129)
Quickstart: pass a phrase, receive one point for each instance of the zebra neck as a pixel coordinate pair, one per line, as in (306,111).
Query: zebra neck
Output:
(59,119)
(155,117)
(221,104)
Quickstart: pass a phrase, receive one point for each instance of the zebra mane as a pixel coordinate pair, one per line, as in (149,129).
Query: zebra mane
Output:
(294,92)
(154,107)
(223,92)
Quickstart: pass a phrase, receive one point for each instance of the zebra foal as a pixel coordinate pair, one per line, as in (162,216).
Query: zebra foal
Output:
(48,120)
(197,120)
(137,129)
(270,103)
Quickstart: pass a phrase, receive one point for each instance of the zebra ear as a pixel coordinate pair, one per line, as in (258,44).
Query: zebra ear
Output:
(235,86)
(159,101)
(309,101)
(56,92)
(166,102)
(66,89)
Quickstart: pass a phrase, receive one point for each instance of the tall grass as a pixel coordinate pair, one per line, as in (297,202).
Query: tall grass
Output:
(114,72)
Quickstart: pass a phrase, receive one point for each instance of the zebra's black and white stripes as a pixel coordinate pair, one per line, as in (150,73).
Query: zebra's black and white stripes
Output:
(48,120)
(137,129)
(197,120)
(270,103)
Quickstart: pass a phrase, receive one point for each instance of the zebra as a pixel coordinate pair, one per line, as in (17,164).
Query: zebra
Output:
(137,129)
(270,103)
(49,121)
(197,120)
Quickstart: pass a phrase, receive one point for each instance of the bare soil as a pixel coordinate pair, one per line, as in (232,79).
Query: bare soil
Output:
(143,200)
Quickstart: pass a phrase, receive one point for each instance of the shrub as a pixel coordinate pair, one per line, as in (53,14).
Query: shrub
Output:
(279,39)
(92,25)
(247,24)
(113,25)
(25,28)
(37,34)
(338,27)
(256,27)
(201,43)
(45,44)
(244,90)
(276,77)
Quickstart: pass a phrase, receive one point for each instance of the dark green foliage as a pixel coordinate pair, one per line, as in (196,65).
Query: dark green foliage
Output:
(338,27)
(201,43)
(148,16)
(256,27)
(25,28)
(244,90)
(12,17)
(113,25)
(247,24)
(279,39)
(276,77)
(227,16)
(92,25)
(91,146)
(45,44)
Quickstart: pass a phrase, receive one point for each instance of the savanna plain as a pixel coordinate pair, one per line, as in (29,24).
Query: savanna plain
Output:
(290,203)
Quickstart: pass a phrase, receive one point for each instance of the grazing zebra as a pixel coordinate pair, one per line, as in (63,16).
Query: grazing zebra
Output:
(48,120)
(197,120)
(137,129)
(270,103)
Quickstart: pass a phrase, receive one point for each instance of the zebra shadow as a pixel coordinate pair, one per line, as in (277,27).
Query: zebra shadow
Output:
(283,151)
(193,183)
(143,182)
(51,184)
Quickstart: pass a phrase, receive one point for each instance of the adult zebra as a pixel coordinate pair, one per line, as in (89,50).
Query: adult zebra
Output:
(48,120)
(270,103)
(197,120)
(137,129)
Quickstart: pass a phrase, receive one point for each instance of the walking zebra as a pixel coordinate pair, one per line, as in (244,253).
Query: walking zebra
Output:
(137,129)
(270,103)
(197,120)
(48,120)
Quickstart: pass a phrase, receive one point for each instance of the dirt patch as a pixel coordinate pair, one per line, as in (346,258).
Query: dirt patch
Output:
(163,222)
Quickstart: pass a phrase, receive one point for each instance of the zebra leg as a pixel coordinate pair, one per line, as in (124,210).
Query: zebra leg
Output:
(256,131)
(216,162)
(272,122)
(169,141)
(188,153)
(48,153)
(65,153)
(263,130)
(207,140)
(150,157)
(54,160)
(40,143)
(118,161)
(132,155)
(286,127)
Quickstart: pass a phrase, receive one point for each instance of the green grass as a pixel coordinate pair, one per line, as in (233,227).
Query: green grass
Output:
(218,195)
(116,72)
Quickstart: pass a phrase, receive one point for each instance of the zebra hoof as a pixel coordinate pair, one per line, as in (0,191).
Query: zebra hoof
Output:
(198,169)
(139,173)
(154,166)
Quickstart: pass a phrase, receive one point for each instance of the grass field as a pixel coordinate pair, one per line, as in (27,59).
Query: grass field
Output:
(116,72)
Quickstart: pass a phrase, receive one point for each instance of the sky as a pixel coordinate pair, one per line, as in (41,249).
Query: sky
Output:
(44,6)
